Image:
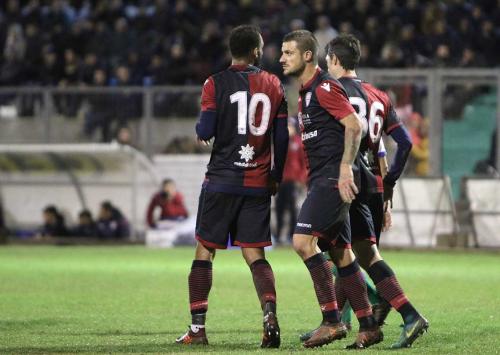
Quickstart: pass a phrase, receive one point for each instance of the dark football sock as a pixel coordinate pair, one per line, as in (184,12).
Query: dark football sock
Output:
(353,285)
(344,307)
(324,287)
(388,287)
(373,295)
(263,279)
(200,282)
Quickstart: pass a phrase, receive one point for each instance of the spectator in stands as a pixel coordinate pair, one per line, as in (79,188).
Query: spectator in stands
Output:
(86,225)
(127,105)
(294,179)
(53,223)
(69,103)
(50,73)
(418,128)
(111,224)
(88,67)
(324,33)
(100,113)
(169,201)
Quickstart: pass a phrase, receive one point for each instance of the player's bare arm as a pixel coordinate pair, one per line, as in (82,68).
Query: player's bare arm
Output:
(387,221)
(347,187)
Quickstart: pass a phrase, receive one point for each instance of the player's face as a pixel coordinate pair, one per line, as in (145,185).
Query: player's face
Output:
(292,59)
(334,67)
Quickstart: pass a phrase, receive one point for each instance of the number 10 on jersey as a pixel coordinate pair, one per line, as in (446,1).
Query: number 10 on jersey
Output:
(247,110)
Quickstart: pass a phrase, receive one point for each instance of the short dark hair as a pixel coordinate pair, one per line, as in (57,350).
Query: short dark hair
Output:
(347,49)
(85,213)
(107,205)
(243,40)
(305,42)
(51,209)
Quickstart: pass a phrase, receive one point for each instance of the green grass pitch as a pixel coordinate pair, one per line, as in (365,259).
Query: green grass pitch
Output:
(134,300)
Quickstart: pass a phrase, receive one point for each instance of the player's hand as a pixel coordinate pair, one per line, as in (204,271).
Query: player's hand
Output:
(347,187)
(202,142)
(387,221)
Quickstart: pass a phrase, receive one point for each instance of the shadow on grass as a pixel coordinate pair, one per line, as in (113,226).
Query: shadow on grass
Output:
(132,348)
(172,333)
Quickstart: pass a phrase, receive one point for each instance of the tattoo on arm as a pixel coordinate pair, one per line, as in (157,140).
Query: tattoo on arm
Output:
(352,138)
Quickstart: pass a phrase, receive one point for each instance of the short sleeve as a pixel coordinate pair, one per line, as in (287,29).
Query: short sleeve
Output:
(392,120)
(333,98)
(208,102)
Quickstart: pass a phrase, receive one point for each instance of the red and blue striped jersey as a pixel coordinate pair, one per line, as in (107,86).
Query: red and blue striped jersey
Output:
(377,114)
(323,102)
(247,102)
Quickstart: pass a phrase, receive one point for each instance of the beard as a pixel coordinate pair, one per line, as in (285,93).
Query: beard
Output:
(298,72)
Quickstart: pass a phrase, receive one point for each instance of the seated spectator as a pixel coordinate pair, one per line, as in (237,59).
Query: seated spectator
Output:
(53,223)
(86,225)
(111,224)
(171,203)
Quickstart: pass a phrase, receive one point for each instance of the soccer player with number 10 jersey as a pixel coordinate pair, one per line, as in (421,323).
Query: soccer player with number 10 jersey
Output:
(244,109)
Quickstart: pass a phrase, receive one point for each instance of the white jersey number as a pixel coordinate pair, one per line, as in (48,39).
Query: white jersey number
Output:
(373,123)
(246,111)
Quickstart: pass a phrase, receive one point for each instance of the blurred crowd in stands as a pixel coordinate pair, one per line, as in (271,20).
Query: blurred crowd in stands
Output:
(118,43)
(138,42)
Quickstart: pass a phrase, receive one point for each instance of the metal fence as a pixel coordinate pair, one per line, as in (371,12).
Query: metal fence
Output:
(159,114)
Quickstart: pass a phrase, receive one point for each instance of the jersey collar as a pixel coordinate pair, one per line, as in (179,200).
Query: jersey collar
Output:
(353,77)
(310,82)
(242,67)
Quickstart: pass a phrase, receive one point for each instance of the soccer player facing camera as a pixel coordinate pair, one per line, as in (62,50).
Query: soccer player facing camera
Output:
(244,109)
(331,134)
(367,211)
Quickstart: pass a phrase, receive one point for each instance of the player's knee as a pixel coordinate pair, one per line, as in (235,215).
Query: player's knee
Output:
(304,245)
(204,253)
(342,256)
(251,255)
(367,253)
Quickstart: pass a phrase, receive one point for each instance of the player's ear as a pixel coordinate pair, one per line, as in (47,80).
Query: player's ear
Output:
(308,56)
(256,52)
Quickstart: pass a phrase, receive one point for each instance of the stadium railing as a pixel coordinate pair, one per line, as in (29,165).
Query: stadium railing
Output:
(160,113)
